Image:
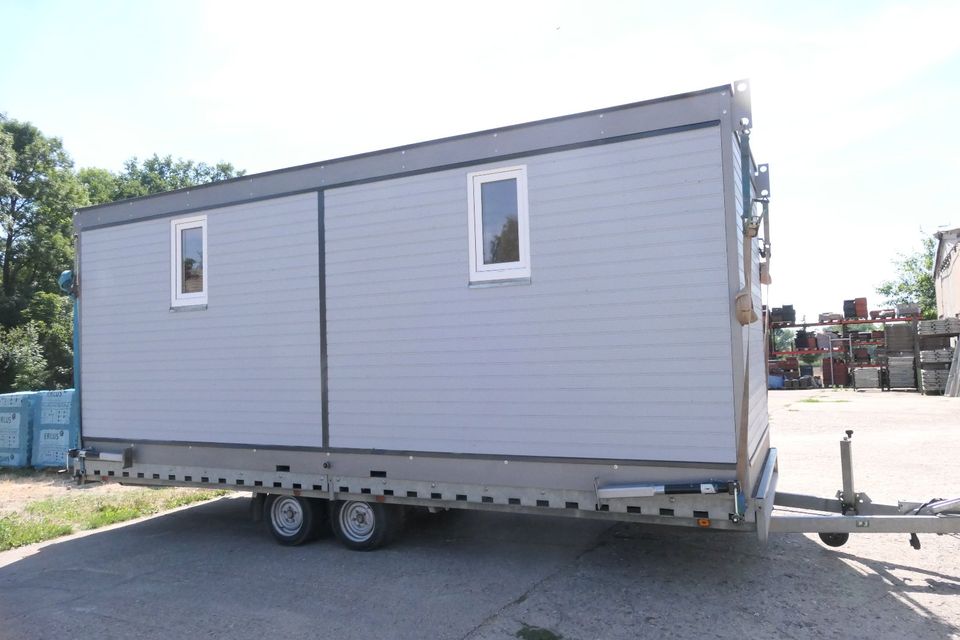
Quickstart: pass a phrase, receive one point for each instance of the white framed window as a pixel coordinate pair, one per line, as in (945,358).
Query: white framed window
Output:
(499,225)
(188,261)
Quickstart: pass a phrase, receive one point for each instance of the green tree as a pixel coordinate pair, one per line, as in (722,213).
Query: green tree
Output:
(38,194)
(153,175)
(505,246)
(22,365)
(861,327)
(783,339)
(52,315)
(7,159)
(914,281)
(100,184)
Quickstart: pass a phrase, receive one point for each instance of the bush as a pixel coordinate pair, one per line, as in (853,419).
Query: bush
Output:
(53,315)
(22,365)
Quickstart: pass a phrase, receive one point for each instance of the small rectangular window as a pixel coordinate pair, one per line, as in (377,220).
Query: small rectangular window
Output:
(498,224)
(188,257)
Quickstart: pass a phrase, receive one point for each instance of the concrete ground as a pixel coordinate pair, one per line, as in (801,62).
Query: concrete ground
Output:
(209,572)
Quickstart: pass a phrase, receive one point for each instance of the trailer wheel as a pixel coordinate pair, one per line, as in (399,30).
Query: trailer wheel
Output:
(292,520)
(364,526)
(834,539)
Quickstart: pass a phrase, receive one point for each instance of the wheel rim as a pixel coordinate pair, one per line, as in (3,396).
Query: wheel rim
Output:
(286,515)
(357,521)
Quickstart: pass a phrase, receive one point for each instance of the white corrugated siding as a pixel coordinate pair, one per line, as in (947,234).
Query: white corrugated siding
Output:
(619,348)
(245,370)
(759,419)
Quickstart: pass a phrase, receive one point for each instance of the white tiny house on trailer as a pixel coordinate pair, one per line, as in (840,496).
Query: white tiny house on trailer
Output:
(549,317)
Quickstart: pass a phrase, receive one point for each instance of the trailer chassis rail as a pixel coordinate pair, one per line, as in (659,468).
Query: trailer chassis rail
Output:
(834,519)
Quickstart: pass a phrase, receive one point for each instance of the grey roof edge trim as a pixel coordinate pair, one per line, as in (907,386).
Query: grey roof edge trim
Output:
(945,232)
(101,224)
(484,146)
(403,453)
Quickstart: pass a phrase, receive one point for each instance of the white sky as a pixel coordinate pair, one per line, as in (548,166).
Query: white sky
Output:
(855,104)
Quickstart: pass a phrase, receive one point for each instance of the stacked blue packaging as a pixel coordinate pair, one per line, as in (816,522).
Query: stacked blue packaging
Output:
(56,427)
(16,419)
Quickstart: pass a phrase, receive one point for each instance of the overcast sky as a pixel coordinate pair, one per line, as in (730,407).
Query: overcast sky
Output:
(855,104)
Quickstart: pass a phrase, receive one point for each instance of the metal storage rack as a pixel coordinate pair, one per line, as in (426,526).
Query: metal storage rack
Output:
(882,359)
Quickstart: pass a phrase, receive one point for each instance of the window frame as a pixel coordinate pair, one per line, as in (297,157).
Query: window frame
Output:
(519,270)
(177,297)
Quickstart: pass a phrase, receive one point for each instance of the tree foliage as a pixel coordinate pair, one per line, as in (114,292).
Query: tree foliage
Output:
(22,365)
(52,316)
(39,190)
(100,184)
(914,281)
(783,339)
(505,246)
(153,175)
(38,194)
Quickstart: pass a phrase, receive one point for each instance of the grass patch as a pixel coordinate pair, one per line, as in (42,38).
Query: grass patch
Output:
(819,400)
(15,532)
(54,517)
(536,633)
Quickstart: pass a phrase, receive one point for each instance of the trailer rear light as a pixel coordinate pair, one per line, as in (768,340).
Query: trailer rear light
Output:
(703,522)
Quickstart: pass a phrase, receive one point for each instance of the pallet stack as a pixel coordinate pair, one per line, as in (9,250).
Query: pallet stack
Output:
(834,372)
(936,353)
(38,428)
(934,381)
(849,309)
(901,372)
(805,340)
(945,327)
(866,378)
(856,308)
(783,315)
(936,356)
(901,356)
(908,310)
(900,338)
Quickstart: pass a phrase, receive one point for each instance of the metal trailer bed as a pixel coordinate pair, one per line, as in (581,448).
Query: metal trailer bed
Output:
(716,505)
(156,424)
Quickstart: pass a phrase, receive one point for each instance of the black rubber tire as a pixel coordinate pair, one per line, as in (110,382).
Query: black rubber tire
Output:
(292,520)
(834,539)
(365,526)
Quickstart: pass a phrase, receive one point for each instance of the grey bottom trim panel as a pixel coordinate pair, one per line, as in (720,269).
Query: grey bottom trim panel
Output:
(95,441)
(547,473)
